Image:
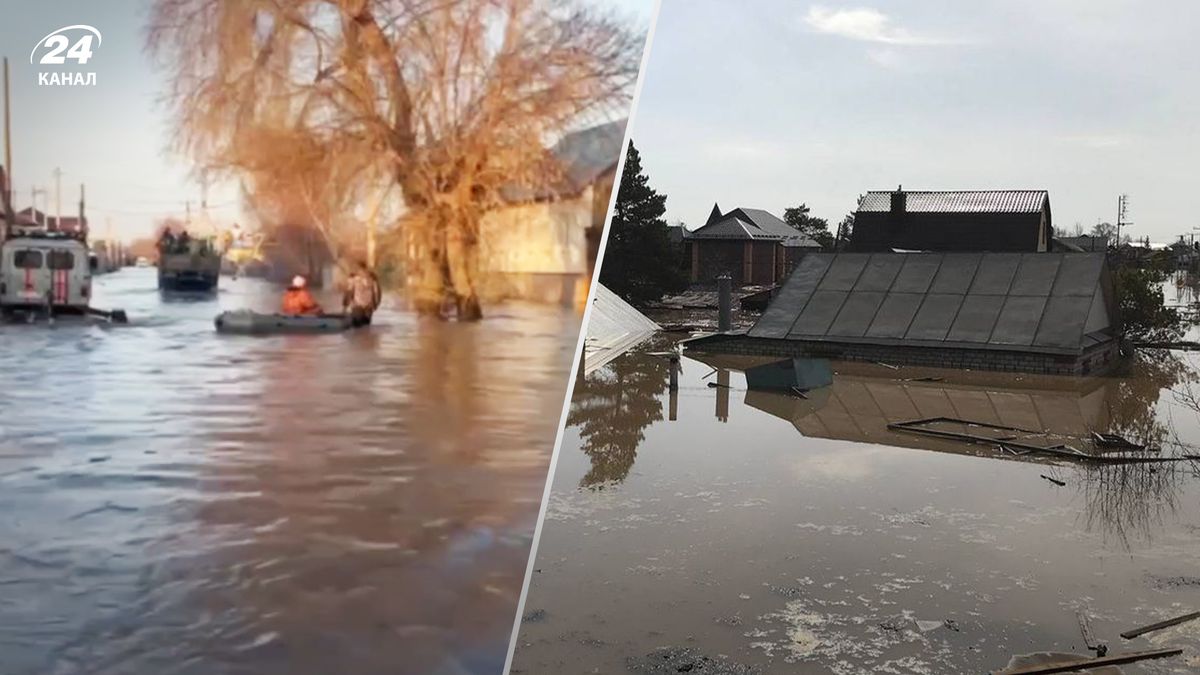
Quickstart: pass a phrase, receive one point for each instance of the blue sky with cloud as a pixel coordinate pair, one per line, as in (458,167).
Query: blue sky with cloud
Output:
(776,102)
(115,137)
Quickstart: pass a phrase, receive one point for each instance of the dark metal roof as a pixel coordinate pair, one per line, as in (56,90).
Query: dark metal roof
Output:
(1086,242)
(1037,302)
(958,201)
(743,223)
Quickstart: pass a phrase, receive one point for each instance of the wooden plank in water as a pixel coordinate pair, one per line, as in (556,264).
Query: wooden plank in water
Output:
(1083,664)
(1130,634)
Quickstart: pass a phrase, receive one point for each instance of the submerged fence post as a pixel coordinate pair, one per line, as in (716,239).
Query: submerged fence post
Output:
(674,388)
(724,303)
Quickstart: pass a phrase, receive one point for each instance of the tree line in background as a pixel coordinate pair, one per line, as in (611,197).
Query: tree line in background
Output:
(641,262)
(335,113)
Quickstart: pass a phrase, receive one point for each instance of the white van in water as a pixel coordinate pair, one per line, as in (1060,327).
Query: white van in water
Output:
(44,272)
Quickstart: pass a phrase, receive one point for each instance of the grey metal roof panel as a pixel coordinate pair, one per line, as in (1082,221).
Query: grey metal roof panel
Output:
(1063,322)
(1019,320)
(956,273)
(818,314)
(857,314)
(958,201)
(935,317)
(844,271)
(895,315)
(1079,274)
(879,273)
(1036,274)
(777,320)
(976,318)
(995,273)
(917,273)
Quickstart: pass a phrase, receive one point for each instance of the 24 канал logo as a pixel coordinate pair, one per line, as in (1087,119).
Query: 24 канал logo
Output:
(62,47)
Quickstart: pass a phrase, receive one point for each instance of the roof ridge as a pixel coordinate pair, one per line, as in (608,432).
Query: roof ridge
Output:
(958,191)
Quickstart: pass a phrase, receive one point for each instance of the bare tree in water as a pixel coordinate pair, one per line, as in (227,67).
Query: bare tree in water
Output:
(452,101)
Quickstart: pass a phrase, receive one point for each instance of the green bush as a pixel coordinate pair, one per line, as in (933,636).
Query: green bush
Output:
(1139,294)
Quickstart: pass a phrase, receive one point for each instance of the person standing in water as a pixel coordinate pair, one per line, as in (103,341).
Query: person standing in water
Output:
(362,296)
(297,301)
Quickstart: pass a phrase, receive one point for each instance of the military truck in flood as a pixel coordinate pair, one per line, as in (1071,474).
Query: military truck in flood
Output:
(188,264)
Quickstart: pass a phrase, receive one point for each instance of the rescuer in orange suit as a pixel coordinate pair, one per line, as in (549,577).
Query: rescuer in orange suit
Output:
(297,301)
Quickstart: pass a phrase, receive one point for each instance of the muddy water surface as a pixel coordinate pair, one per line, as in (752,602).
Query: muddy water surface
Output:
(721,531)
(174,501)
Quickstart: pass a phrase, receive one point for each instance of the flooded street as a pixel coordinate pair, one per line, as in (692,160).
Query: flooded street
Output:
(174,501)
(727,531)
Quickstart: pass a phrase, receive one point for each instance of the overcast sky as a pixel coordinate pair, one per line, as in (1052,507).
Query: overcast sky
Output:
(771,103)
(114,136)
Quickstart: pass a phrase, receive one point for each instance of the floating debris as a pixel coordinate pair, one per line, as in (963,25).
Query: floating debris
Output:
(1085,627)
(1067,666)
(1130,634)
(686,660)
(1056,481)
(1115,442)
(535,616)
(1010,444)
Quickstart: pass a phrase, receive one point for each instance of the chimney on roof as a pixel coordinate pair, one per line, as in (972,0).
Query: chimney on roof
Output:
(715,215)
(899,200)
(899,207)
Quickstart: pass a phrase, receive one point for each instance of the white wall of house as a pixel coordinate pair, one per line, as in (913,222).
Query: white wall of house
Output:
(536,251)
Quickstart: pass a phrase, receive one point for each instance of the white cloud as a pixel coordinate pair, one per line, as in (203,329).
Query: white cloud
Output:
(868,25)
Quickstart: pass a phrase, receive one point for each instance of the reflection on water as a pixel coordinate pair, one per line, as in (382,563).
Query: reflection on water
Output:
(611,408)
(785,533)
(174,501)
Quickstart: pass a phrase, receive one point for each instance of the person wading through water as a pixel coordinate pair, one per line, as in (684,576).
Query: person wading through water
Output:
(362,296)
(297,301)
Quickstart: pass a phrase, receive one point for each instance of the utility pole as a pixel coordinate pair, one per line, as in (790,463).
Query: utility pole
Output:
(1122,206)
(57,173)
(33,194)
(8,196)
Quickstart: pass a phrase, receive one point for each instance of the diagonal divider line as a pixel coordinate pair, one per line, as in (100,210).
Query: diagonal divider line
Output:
(587,312)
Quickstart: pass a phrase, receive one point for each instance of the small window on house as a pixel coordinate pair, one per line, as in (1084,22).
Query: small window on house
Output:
(61,260)
(28,260)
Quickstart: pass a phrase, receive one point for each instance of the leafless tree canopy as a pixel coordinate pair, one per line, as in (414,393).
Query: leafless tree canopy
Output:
(319,103)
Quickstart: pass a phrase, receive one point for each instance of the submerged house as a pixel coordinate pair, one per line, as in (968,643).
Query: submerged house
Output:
(542,244)
(960,220)
(753,246)
(1030,312)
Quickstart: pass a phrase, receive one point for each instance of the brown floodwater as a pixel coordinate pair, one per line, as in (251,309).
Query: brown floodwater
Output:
(725,531)
(174,501)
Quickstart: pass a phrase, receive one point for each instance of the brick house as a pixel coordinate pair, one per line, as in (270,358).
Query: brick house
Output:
(752,245)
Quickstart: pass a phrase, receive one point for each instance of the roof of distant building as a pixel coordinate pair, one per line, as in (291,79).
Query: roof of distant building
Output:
(754,224)
(957,201)
(584,156)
